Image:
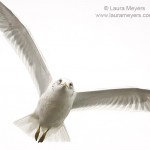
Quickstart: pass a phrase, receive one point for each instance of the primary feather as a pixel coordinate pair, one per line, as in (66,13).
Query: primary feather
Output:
(133,98)
(18,35)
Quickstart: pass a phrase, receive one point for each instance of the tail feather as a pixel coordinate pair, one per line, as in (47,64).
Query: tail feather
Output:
(58,134)
(30,124)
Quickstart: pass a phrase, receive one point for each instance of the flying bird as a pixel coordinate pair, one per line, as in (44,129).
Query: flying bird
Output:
(58,98)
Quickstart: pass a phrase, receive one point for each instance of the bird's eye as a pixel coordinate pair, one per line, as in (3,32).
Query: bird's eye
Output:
(59,81)
(70,85)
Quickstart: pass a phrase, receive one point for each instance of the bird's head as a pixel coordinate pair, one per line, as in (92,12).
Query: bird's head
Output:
(63,85)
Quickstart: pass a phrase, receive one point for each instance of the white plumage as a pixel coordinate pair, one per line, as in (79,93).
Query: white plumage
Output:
(58,98)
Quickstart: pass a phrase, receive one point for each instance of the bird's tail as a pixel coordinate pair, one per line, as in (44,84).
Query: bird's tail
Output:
(30,124)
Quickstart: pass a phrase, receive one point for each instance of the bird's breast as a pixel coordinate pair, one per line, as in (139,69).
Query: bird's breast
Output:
(53,109)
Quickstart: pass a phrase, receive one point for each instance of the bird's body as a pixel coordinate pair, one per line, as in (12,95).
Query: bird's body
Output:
(53,107)
(58,98)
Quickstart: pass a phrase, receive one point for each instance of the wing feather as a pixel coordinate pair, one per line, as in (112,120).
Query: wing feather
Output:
(20,38)
(132,98)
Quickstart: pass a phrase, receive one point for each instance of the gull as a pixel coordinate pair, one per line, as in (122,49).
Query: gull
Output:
(58,98)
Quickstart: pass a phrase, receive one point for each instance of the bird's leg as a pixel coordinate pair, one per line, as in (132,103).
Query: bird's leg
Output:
(37,133)
(43,136)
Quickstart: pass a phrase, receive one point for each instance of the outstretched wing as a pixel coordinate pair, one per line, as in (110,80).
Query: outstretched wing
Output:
(18,35)
(137,99)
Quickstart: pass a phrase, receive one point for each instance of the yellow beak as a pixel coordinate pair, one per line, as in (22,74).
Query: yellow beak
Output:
(65,84)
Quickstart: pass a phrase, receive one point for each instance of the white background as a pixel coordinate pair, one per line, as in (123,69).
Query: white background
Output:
(95,53)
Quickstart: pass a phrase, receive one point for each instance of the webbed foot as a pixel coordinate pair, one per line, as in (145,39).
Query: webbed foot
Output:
(37,133)
(43,136)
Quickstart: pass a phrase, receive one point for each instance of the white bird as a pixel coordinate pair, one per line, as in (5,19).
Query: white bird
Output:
(58,98)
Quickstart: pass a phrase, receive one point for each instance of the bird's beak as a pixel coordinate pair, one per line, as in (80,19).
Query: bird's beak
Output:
(65,84)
